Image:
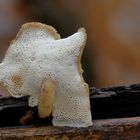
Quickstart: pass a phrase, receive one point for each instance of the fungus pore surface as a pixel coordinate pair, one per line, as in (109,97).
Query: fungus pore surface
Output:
(41,65)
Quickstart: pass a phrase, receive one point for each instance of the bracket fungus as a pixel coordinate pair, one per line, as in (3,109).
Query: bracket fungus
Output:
(41,65)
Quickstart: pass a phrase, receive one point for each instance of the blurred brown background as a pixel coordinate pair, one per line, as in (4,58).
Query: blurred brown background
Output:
(112,55)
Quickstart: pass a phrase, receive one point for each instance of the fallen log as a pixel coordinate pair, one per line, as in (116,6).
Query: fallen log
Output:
(121,103)
(113,129)
(115,102)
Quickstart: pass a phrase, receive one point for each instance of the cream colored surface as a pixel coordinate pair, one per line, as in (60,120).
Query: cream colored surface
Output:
(46,98)
(38,55)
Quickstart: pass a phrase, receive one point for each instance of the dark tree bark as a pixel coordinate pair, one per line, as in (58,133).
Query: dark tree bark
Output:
(121,103)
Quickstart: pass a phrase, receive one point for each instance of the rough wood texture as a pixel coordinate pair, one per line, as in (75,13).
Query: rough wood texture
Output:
(114,102)
(110,129)
(12,102)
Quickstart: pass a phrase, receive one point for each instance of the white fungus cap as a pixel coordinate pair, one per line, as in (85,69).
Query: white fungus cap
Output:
(48,69)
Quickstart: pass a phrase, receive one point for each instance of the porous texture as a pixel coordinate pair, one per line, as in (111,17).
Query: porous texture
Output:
(38,54)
